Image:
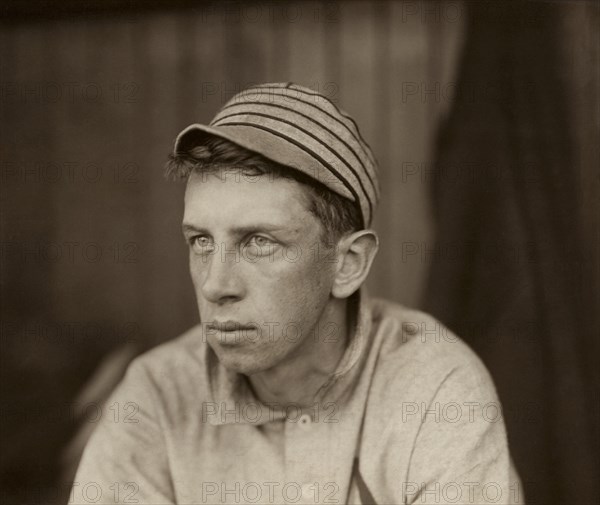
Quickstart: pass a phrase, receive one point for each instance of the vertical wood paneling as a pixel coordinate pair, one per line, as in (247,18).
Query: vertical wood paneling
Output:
(359,86)
(30,366)
(332,43)
(381,281)
(76,199)
(83,216)
(277,49)
(403,197)
(27,141)
(164,259)
(306,30)
(359,82)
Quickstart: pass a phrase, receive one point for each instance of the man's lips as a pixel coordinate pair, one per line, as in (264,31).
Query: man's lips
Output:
(232,333)
(230,326)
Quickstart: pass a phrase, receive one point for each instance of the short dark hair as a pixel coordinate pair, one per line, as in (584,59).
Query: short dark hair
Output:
(338,215)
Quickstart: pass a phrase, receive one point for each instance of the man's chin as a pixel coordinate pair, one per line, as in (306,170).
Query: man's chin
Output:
(240,364)
(241,367)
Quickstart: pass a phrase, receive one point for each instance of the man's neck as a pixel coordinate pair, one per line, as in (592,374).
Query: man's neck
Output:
(295,381)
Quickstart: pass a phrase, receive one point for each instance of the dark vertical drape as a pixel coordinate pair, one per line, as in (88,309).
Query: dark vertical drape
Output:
(515,269)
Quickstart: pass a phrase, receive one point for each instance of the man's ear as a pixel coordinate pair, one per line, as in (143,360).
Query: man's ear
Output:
(355,255)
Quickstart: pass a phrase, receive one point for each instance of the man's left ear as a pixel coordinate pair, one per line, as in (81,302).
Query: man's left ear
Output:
(355,255)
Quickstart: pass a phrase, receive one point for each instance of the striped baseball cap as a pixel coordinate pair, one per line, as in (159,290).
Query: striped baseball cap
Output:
(299,128)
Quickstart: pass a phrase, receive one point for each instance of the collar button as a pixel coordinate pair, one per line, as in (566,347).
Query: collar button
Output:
(305,421)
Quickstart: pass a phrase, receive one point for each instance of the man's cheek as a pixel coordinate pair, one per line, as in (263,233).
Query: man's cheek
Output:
(196,276)
(197,266)
(277,274)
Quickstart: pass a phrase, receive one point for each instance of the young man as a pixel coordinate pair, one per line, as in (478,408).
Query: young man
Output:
(295,387)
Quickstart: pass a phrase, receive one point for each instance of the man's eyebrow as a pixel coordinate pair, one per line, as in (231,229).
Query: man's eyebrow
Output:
(237,230)
(187,228)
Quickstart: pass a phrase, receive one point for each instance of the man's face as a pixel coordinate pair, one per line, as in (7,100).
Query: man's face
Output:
(262,281)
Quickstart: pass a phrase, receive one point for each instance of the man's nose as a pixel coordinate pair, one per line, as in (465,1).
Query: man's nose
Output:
(222,282)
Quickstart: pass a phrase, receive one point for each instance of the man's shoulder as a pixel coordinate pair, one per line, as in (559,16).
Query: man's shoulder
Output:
(416,349)
(188,347)
(173,368)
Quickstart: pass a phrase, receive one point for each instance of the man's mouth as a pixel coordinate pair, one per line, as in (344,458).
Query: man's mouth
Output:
(230,326)
(231,333)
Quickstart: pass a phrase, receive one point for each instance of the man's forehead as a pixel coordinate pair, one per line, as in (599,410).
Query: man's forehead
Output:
(245,203)
(236,188)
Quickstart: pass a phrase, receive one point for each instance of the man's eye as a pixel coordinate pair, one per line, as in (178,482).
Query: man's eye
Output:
(259,241)
(259,246)
(202,244)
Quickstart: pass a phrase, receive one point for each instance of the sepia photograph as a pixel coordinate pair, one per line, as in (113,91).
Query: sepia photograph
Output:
(300,252)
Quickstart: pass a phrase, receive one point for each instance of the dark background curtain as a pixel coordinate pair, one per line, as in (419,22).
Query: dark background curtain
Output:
(516,205)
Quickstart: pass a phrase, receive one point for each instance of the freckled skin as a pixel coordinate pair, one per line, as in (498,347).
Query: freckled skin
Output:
(281,284)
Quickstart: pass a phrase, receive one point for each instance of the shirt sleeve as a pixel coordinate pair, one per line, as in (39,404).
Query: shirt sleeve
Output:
(461,451)
(125,460)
